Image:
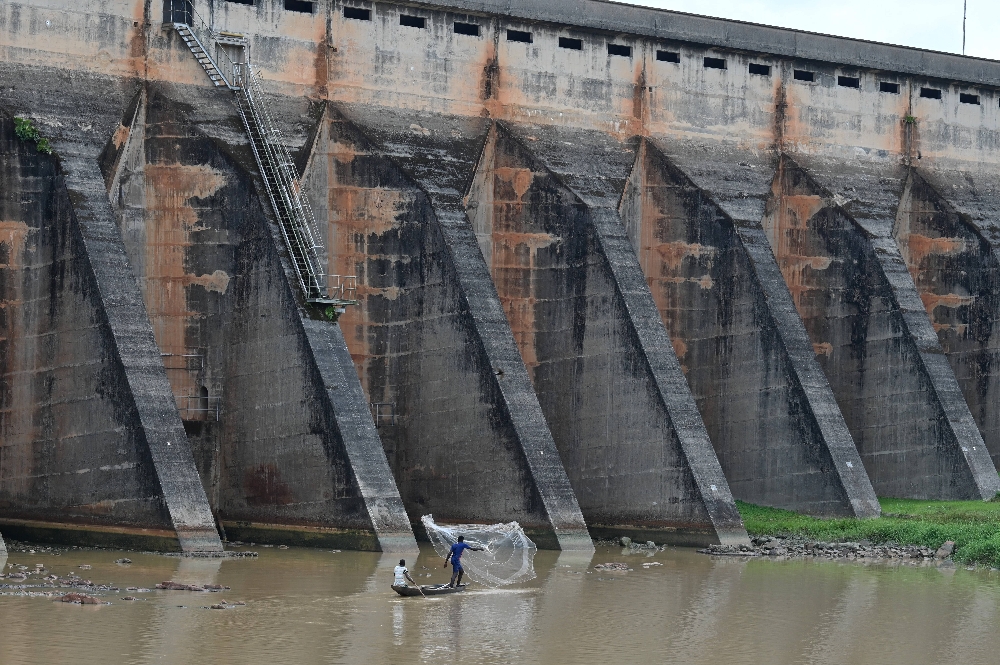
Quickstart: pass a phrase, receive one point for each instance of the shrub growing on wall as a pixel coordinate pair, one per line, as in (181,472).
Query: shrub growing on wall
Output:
(26,131)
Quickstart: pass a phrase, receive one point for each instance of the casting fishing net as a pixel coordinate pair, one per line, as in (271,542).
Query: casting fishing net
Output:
(507,553)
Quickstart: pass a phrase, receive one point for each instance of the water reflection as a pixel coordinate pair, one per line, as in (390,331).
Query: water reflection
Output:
(313,606)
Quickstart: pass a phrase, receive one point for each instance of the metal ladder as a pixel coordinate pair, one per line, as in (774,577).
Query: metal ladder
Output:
(200,54)
(295,217)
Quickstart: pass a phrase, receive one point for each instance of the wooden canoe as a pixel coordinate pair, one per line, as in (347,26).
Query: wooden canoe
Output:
(429,589)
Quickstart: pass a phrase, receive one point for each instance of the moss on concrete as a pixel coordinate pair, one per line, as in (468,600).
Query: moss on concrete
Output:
(973,525)
(301,536)
(89,535)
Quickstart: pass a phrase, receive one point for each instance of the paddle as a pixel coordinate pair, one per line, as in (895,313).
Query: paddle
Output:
(418,586)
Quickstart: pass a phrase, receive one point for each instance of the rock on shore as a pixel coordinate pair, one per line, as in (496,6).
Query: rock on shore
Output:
(782,546)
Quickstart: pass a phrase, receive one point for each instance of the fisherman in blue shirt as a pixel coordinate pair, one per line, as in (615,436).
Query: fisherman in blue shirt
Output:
(455,555)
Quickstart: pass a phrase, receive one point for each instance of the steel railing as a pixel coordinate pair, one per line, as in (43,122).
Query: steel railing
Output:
(296,221)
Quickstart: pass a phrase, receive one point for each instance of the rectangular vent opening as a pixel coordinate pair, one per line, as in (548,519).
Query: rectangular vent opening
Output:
(518,36)
(299,6)
(848,82)
(760,70)
(803,75)
(715,63)
(968,99)
(668,56)
(412,21)
(891,88)
(466,29)
(620,49)
(930,93)
(357,13)
(241,2)
(570,43)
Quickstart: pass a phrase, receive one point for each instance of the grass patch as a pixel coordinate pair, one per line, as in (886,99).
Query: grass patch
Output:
(973,525)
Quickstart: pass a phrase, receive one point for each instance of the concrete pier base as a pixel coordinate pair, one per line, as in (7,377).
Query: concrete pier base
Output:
(742,347)
(466,436)
(90,350)
(831,230)
(948,234)
(284,438)
(619,406)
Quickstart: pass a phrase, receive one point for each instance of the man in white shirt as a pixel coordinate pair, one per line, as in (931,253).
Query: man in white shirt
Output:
(402,575)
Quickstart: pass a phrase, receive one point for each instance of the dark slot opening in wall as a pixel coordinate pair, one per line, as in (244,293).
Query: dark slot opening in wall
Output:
(885,86)
(358,13)
(968,99)
(668,56)
(466,29)
(518,36)
(569,42)
(299,6)
(803,75)
(620,49)
(715,63)
(930,93)
(760,70)
(241,2)
(412,21)
(848,82)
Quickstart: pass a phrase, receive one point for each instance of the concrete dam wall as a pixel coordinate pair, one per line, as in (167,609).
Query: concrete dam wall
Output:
(598,269)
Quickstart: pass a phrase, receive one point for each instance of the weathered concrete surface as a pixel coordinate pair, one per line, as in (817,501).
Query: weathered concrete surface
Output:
(871,331)
(284,441)
(72,447)
(467,441)
(957,275)
(768,411)
(128,343)
(74,67)
(666,471)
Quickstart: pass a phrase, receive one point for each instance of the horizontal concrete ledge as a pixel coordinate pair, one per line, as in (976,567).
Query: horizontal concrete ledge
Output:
(544,538)
(662,24)
(302,536)
(90,535)
(678,537)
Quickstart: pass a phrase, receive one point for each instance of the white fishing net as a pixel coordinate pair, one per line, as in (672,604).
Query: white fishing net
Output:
(507,556)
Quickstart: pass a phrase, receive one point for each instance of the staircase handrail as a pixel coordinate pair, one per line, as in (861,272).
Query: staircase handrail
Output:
(298,225)
(195,23)
(286,164)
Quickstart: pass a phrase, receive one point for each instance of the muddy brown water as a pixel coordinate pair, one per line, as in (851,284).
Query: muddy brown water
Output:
(315,606)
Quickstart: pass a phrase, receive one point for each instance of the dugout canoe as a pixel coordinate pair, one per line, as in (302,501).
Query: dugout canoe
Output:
(429,589)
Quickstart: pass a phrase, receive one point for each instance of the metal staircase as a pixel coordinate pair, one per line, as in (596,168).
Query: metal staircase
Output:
(295,217)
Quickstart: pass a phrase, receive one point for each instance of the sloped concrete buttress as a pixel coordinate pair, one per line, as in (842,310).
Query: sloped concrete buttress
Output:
(948,230)
(743,347)
(361,440)
(829,225)
(291,454)
(438,161)
(168,443)
(593,167)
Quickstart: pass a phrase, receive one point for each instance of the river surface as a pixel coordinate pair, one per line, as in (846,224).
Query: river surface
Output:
(316,606)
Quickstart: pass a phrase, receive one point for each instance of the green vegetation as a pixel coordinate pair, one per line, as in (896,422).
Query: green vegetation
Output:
(973,525)
(26,131)
(910,120)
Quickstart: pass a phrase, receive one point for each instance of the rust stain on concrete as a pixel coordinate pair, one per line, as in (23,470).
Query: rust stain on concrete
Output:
(263,486)
(823,349)
(921,246)
(673,254)
(13,235)
(218,281)
(358,216)
(787,227)
(953,300)
(172,213)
